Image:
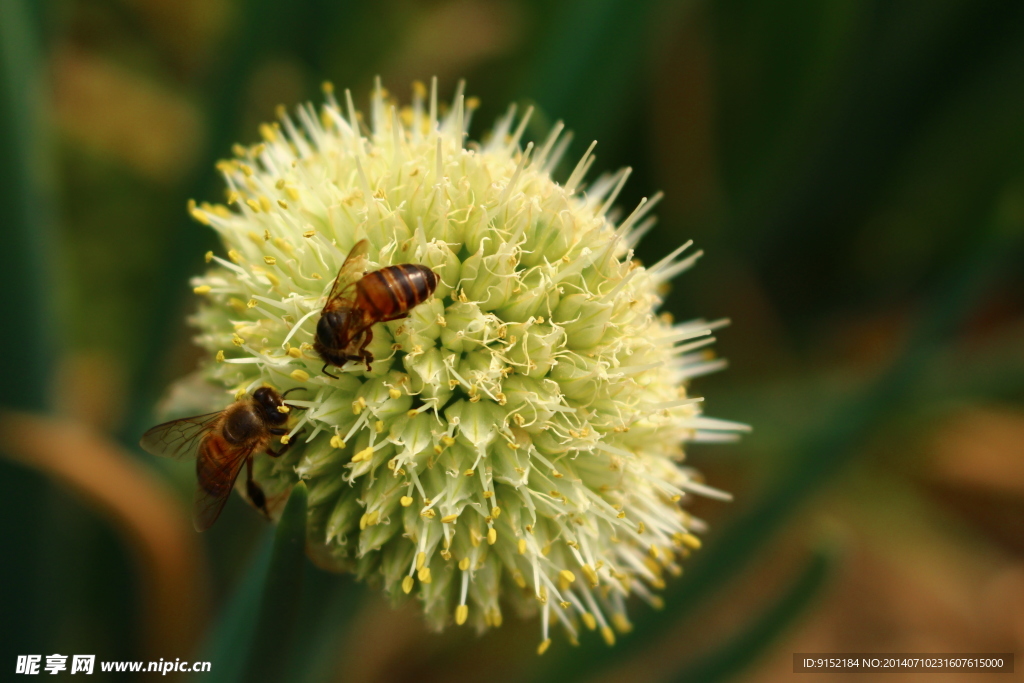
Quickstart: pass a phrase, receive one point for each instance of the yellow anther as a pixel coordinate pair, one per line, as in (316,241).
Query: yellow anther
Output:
(253,204)
(449,519)
(269,260)
(621,515)
(464,564)
(199,215)
(336,442)
(640,528)
(621,623)
(517,576)
(294,352)
(407,585)
(299,375)
(202,289)
(394,393)
(543,647)
(421,560)
(292,193)
(283,409)
(234,256)
(220,356)
(589,621)
(542,595)
(567,576)
(239,393)
(488,494)
(208,256)
(492,536)
(424,575)
(418,89)
(309,233)
(657,602)
(406,501)
(556,474)
(369,519)
(591,575)
(265,204)
(358,405)
(251,303)
(379,426)
(285,439)
(691,541)
(438,450)
(495,512)
(461,613)
(521,546)
(608,634)
(653,551)
(469,473)
(447,440)
(236,340)
(267,132)
(364,454)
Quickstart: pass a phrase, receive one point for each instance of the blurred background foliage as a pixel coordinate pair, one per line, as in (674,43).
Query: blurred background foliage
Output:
(853,169)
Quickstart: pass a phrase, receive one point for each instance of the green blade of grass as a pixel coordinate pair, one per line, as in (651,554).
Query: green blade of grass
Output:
(750,643)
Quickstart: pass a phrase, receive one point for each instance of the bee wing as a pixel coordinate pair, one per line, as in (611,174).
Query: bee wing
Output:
(179,438)
(207,505)
(349,273)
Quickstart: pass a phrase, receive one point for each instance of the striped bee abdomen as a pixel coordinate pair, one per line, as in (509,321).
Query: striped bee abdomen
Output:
(394,290)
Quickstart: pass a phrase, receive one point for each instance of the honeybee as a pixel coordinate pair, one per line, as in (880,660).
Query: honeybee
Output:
(222,442)
(357,302)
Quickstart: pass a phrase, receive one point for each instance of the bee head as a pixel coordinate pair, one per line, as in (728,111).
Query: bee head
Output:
(330,327)
(269,401)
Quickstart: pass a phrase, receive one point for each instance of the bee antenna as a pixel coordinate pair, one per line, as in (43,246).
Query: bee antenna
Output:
(285,394)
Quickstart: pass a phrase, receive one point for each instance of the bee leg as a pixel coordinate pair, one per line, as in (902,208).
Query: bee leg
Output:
(401,316)
(284,447)
(253,489)
(324,370)
(365,355)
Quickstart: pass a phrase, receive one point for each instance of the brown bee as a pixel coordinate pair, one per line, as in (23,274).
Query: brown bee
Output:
(357,302)
(221,442)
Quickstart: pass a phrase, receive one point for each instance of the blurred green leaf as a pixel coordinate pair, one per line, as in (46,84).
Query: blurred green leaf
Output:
(26,193)
(755,639)
(28,345)
(589,54)
(228,644)
(282,591)
(253,638)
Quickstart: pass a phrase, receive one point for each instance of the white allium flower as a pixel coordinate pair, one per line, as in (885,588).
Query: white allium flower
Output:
(518,439)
